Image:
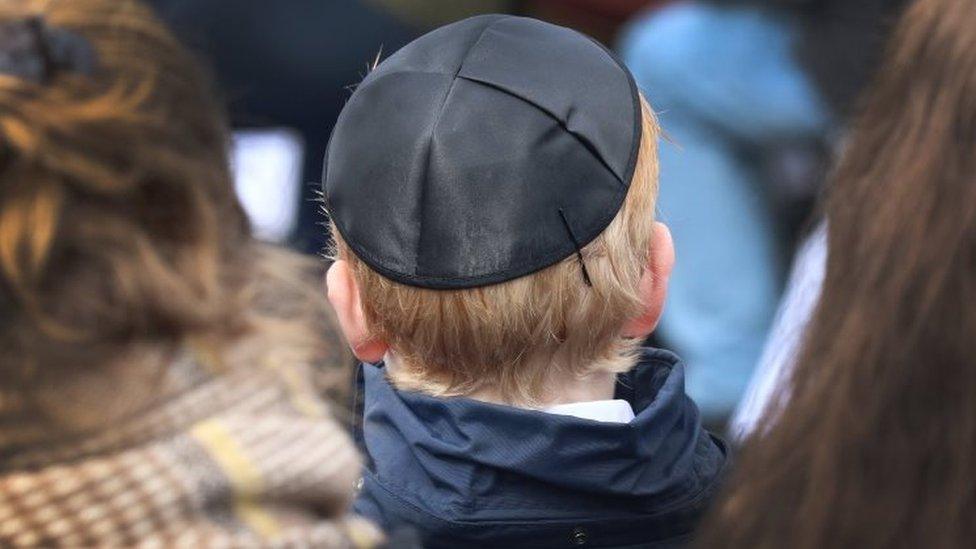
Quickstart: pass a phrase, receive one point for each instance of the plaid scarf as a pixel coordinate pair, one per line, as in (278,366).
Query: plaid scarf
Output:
(243,458)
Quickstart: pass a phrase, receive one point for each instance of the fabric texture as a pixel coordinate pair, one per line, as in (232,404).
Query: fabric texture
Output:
(471,474)
(244,458)
(483,151)
(726,85)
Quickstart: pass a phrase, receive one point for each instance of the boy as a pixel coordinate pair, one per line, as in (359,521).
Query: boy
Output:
(492,188)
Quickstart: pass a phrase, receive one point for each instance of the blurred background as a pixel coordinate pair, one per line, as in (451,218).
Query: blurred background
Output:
(754,97)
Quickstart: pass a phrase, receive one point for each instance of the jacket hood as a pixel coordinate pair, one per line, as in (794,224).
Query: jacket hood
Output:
(446,464)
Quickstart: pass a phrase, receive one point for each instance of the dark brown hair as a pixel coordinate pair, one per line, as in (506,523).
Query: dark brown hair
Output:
(119,225)
(876,446)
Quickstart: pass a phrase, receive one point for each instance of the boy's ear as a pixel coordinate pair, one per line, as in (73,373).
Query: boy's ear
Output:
(654,284)
(344,295)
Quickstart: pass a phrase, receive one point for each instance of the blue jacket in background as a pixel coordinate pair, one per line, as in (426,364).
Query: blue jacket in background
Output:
(472,474)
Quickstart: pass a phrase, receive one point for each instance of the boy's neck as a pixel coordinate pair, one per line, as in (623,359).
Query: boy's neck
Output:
(594,386)
(591,387)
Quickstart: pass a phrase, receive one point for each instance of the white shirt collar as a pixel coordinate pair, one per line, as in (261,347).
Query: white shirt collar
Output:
(607,411)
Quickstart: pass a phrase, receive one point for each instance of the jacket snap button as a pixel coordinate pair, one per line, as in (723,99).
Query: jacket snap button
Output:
(579,536)
(359,484)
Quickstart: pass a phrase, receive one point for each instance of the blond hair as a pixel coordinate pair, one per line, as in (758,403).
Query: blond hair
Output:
(517,337)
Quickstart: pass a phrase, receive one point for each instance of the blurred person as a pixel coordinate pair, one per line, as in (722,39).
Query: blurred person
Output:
(750,94)
(839,49)
(492,188)
(875,445)
(785,337)
(161,374)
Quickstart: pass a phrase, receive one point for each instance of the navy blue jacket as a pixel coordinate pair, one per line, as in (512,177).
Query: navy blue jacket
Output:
(471,474)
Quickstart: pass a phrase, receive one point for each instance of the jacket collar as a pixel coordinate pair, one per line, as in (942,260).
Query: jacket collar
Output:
(461,449)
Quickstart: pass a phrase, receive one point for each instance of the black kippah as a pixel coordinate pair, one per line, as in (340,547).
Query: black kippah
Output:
(483,151)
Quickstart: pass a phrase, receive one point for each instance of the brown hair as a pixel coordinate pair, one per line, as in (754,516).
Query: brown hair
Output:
(876,446)
(118,220)
(518,338)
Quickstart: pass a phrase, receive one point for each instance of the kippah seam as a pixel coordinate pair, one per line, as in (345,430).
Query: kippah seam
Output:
(381,72)
(562,123)
(430,144)
(638,135)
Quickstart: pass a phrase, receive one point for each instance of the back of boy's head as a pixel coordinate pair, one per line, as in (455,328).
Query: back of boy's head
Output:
(492,188)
